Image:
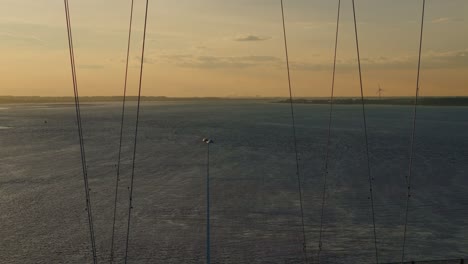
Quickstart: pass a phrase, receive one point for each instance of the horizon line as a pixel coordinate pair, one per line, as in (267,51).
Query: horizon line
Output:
(226,97)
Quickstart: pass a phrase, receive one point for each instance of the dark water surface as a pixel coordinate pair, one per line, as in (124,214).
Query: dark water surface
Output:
(255,204)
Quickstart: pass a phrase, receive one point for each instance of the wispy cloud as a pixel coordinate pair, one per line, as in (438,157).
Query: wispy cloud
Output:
(220,62)
(448,59)
(314,25)
(146,59)
(202,48)
(90,66)
(21,37)
(444,20)
(441,20)
(251,38)
(309,66)
(430,60)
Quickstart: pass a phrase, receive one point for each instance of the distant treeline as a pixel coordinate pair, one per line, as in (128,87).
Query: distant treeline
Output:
(430,101)
(69,99)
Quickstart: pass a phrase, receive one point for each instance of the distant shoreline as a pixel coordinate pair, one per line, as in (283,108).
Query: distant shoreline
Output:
(428,101)
(103,99)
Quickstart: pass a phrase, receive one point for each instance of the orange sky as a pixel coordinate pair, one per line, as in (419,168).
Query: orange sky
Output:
(233,48)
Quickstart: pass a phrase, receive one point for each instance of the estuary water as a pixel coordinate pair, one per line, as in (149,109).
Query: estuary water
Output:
(255,213)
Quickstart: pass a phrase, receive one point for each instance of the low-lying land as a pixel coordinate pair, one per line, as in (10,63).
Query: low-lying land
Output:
(430,101)
(70,99)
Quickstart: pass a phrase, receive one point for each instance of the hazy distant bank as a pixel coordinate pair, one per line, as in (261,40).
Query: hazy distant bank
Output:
(430,101)
(70,99)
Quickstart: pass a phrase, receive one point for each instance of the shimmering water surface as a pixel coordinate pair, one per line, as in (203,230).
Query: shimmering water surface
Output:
(255,202)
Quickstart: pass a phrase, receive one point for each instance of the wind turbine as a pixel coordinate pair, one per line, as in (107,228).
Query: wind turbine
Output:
(379,92)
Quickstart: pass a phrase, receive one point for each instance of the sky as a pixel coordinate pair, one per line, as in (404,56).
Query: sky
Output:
(233,48)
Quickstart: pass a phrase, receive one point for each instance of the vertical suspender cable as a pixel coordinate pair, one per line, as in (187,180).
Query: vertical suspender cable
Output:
(121,133)
(324,190)
(130,203)
(80,132)
(408,178)
(365,135)
(304,244)
(208,244)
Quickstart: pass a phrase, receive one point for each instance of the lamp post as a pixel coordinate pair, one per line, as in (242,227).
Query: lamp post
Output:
(208,253)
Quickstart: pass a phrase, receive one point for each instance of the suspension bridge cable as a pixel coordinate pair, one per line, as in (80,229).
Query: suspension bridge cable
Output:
(121,132)
(80,131)
(324,190)
(413,133)
(371,197)
(304,244)
(208,238)
(130,204)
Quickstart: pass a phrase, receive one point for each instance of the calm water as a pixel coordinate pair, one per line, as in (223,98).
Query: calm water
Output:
(255,205)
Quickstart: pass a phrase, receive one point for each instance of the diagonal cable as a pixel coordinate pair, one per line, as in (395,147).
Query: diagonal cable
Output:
(121,133)
(413,133)
(304,243)
(80,131)
(366,136)
(130,203)
(324,190)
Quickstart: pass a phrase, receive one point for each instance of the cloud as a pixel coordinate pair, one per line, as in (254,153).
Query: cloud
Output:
(430,60)
(314,25)
(308,66)
(146,60)
(202,48)
(251,38)
(220,62)
(6,35)
(449,59)
(443,20)
(91,66)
